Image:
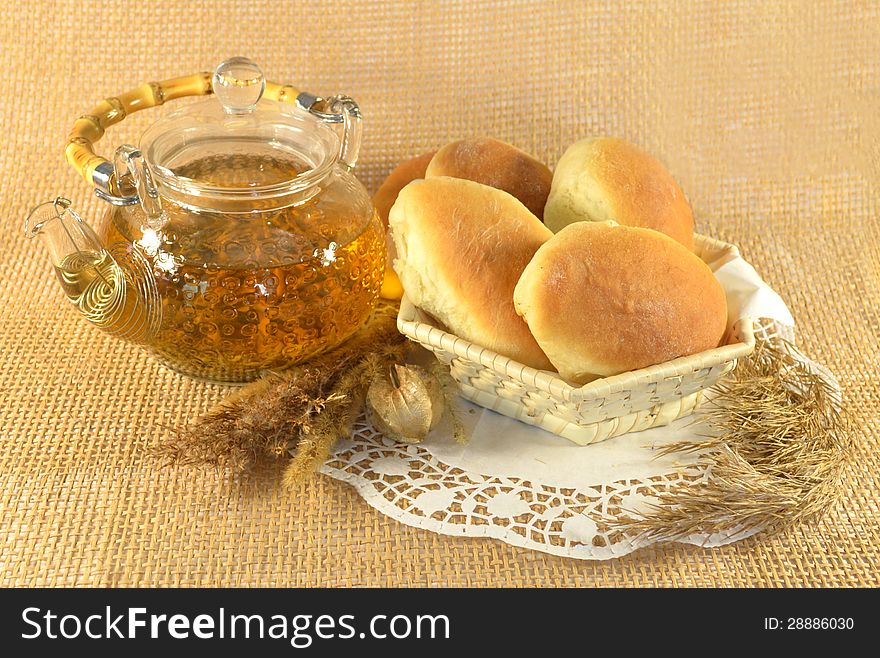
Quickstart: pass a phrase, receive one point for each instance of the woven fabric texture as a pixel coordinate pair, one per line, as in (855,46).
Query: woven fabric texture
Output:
(766,112)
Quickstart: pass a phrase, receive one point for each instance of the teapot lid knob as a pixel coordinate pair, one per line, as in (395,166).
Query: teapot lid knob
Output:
(238,84)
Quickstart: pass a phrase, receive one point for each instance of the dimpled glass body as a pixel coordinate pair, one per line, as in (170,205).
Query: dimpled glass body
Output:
(236,294)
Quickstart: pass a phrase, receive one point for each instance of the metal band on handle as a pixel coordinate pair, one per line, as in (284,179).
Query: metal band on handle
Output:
(315,105)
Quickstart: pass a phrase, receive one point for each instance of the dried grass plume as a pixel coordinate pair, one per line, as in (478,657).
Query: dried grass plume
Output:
(301,412)
(776,456)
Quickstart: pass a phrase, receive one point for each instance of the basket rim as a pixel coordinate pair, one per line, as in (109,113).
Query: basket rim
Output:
(418,326)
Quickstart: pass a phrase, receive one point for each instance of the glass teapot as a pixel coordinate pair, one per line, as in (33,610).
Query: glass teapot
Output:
(237,240)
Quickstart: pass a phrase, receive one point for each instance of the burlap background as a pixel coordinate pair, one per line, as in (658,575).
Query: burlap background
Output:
(767,113)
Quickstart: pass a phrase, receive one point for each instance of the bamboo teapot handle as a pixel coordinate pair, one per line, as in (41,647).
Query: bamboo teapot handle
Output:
(89,128)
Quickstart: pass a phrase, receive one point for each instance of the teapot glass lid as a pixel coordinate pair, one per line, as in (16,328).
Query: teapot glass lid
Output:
(239,143)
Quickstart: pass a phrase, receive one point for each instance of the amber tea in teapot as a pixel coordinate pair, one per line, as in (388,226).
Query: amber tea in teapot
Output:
(237,240)
(227,315)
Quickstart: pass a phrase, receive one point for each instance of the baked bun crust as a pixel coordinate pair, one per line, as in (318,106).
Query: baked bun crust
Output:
(605,178)
(494,163)
(461,248)
(602,299)
(401,175)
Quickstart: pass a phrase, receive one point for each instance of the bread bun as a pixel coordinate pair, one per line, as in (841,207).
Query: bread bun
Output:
(461,248)
(383,199)
(406,171)
(605,178)
(494,163)
(602,299)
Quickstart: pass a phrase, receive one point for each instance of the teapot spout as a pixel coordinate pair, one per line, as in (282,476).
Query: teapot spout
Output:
(104,292)
(63,232)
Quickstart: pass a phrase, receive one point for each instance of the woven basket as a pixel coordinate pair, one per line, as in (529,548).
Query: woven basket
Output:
(607,407)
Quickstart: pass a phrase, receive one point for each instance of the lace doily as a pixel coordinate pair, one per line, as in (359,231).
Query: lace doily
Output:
(435,486)
(408,483)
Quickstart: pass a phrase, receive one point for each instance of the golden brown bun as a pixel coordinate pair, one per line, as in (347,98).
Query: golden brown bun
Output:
(602,299)
(490,162)
(461,248)
(605,178)
(406,171)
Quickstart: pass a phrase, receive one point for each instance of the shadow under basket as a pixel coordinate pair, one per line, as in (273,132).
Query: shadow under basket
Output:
(604,408)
